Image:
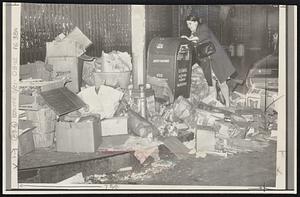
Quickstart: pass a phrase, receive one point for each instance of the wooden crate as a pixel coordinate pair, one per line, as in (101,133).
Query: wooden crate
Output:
(43,119)
(27,102)
(42,140)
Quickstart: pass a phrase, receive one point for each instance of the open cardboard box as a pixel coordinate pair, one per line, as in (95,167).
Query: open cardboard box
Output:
(82,136)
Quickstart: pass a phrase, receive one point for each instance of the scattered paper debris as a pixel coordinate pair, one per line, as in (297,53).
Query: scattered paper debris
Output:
(201,154)
(129,168)
(115,61)
(190,144)
(192,151)
(97,178)
(217,153)
(105,102)
(143,154)
(274,133)
(162,164)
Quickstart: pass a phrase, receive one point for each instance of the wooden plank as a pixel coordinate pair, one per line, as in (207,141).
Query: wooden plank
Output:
(45,157)
(176,147)
(57,173)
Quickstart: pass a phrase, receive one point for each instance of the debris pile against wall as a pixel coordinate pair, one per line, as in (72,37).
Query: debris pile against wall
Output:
(105,113)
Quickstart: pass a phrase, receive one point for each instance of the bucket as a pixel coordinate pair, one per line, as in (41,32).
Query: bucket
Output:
(113,79)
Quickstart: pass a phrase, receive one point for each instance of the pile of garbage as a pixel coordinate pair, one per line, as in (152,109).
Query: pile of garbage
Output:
(107,114)
(113,62)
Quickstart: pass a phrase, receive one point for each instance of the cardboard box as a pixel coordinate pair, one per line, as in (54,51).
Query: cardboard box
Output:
(42,85)
(79,37)
(74,44)
(70,67)
(78,136)
(114,126)
(36,70)
(65,47)
(205,138)
(27,102)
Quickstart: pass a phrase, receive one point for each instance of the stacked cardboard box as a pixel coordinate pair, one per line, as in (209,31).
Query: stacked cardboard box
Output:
(64,52)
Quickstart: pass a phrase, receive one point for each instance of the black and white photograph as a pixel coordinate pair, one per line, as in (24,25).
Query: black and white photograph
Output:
(149,98)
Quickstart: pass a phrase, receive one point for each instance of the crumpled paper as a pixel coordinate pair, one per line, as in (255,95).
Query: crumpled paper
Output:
(142,147)
(105,102)
(115,61)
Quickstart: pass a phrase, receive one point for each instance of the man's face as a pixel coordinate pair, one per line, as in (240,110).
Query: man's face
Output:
(192,25)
